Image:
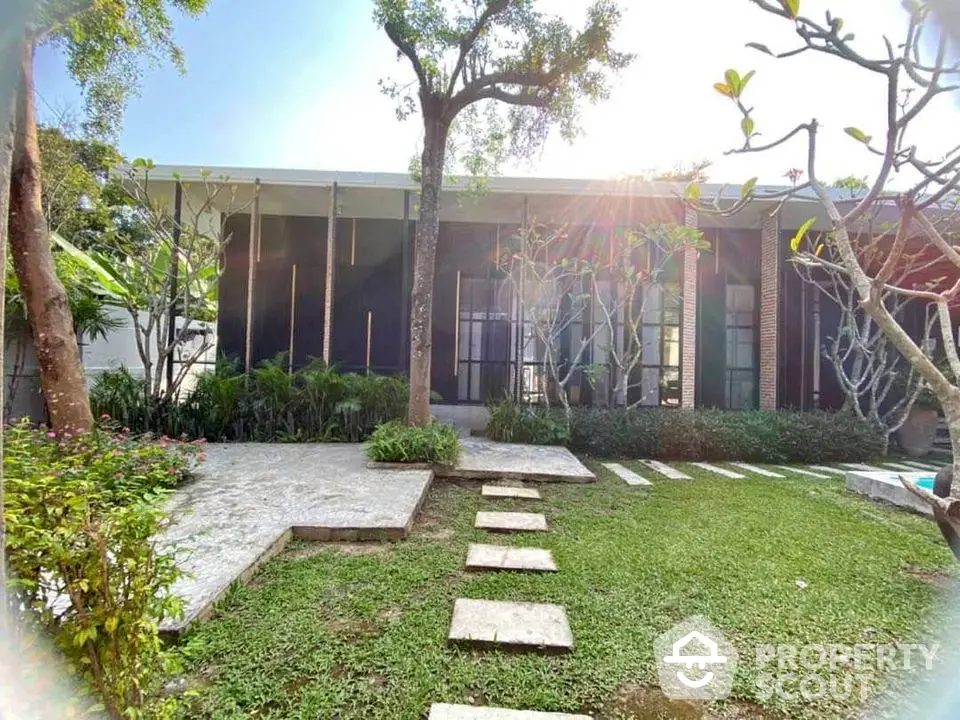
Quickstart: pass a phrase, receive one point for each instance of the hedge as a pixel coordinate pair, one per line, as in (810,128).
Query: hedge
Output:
(766,436)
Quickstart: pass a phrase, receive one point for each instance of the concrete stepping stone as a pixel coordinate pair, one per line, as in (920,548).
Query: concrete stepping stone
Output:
(863,467)
(801,471)
(666,470)
(443,711)
(508,491)
(758,470)
(626,474)
(510,625)
(499,557)
(719,470)
(921,466)
(828,469)
(510,522)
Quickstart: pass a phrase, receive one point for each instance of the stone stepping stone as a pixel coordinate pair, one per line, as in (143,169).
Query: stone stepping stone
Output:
(863,467)
(801,471)
(510,626)
(443,711)
(511,522)
(758,470)
(828,469)
(921,466)
(666,470)
(719,470)
(498,557)
(903,467)
(507,491)
(626,474)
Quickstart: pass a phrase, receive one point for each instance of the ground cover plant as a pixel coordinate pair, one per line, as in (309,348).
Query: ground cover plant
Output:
(359,631)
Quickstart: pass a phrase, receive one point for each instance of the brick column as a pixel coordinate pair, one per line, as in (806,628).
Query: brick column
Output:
(769,308)
(688,328)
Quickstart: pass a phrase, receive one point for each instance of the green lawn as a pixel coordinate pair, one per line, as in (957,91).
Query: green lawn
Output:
(325,633)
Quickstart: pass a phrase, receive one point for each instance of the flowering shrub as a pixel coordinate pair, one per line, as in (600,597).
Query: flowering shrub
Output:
(82,516)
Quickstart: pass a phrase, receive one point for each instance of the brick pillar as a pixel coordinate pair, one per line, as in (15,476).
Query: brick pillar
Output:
(769,308)
(688,329)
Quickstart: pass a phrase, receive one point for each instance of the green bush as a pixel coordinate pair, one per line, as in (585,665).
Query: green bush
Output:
(82,514)
(532,424)
(781,436)
(397,442)
(316,403)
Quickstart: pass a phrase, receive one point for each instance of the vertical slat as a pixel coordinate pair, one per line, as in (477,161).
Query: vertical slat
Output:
(251,274)
(353,242)
(174,279)
(293,313)
(456,331)
(328,285)
(369,336)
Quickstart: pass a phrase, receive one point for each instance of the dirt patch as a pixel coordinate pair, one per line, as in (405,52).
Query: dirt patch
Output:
(376,681)
(309,549)
(642,702)
(391,614)
(353,628)
(292,687)
(441,534)
(936,578)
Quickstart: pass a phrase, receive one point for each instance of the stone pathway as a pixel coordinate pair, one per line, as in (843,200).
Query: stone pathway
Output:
(716,470)
(862,467)
(626,474)
(801,471)
(758,470)
(442,711)
(510,522)
(899,466)
(510,625)
(508,491)
(665,470)
(827,469)
(499,557)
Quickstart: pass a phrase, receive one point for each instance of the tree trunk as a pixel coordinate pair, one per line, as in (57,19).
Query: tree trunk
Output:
(58,356)
(421,306)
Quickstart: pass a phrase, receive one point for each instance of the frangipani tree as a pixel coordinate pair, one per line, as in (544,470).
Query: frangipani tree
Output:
(920,209)
(504,73)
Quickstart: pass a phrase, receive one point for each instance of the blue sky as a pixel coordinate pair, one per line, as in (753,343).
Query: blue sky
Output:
(293,84)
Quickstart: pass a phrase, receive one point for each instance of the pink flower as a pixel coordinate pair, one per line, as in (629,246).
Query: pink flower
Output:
(105,417)
(51,434)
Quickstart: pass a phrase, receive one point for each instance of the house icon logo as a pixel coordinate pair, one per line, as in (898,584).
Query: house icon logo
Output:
(695,661)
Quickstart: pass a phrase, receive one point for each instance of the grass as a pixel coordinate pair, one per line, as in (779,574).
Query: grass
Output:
(360,632)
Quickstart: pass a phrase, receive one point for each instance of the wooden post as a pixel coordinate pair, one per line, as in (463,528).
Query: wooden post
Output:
(252,254)
(293,314)
(328,284)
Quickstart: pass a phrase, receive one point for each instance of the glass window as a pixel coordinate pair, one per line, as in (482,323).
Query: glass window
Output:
(660,341)
(741,380)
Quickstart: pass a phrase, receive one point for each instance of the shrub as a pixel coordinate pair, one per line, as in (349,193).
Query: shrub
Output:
(397,442)
(532,424)
(780,436)
(315,403)
(82,516)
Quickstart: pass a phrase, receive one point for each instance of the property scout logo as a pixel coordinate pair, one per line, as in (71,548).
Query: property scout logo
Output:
(695,662)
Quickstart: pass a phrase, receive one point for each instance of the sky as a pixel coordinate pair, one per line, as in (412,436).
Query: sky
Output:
(294,84)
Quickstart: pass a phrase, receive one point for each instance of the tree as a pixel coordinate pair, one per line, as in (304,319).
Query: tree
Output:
(922,212)
(103,42)
(586,308)
(505,73)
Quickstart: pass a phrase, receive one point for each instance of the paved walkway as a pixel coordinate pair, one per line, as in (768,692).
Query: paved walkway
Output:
(249,498)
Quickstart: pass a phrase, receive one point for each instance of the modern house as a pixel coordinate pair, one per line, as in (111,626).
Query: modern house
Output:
(747,331)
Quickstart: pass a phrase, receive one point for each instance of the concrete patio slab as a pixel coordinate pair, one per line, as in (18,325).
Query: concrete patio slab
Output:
(510,626)
(863,467)
(902,467)
(626,474)
(921,465)
(666,470)
(248,499)
(886,486)
(443,711)
(717,470)
(508,491)
(510,522)
(482,459)
(499,557)
(801,471)
(756,469)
